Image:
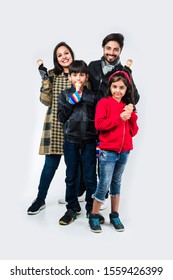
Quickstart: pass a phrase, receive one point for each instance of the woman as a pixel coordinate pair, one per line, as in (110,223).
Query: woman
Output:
(53,82)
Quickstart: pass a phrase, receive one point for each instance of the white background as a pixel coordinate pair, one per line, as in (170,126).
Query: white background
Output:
(30,30)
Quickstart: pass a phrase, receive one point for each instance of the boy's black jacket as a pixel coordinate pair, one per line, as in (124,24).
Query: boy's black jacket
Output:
(78,119)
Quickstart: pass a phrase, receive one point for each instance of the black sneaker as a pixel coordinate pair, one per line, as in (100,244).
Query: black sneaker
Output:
(116,222)
(94,222)
(36,207)
(101,218)
(68,217)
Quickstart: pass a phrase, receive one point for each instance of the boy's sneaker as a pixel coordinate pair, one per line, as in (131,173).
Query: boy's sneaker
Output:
(101,218)
(68,217)
(94,223)
(36,207)
(116,222)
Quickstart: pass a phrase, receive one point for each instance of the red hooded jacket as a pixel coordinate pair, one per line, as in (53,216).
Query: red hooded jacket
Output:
(114,133)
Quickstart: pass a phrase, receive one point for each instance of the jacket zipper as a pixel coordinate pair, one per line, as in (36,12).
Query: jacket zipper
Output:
(122,139)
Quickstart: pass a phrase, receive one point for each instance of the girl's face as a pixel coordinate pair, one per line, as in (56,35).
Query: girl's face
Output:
(118,90)
(64,57)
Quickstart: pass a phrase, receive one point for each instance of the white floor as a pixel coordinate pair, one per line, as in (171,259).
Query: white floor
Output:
(148,228)
(147,189)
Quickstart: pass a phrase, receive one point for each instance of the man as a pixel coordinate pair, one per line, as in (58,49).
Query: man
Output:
(101,70)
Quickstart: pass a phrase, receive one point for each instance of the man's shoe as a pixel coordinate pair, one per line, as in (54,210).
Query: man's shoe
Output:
(94,223)
(116,222)
(101,218)
(68,217)
(36,207)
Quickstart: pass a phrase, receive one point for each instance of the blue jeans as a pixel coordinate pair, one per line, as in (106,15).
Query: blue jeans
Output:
(112,165)
(73,153)
(50,166)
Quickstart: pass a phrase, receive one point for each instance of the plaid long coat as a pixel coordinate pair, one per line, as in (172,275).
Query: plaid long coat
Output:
(52,135)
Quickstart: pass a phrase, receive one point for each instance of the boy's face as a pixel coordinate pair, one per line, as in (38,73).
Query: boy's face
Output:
(78,79)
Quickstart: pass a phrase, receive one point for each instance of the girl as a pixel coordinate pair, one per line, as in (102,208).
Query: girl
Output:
(116,121)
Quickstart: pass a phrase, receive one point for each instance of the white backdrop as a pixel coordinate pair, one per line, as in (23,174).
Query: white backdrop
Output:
(30,30)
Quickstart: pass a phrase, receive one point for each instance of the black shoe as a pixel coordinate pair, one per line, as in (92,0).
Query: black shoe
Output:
(94,223)
(116,222)
(101,218)
(68,217)
(36,207)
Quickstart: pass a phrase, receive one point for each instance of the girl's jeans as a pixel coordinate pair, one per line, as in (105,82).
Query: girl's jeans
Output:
(112,165)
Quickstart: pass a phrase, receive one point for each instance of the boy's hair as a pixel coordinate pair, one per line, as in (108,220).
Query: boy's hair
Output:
(117,37)
(78,66)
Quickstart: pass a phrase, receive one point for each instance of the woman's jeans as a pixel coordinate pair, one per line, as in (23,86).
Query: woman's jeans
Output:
(73,153)
(112,165)
(50,166)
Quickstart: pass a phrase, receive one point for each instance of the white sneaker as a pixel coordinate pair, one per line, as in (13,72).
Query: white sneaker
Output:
(80,199)
(104,205)
(62,201)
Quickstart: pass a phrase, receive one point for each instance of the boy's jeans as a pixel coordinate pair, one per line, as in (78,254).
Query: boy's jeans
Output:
(112,165)
(72,154)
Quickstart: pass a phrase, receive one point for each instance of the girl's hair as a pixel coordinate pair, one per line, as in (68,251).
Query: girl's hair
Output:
(58,69)
(126,79)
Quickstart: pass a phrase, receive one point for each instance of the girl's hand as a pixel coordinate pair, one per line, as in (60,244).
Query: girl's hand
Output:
(129,108)
(125,115)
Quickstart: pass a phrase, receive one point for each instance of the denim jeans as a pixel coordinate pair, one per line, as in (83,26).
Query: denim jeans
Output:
(112,165)
(50,166)
(73,153)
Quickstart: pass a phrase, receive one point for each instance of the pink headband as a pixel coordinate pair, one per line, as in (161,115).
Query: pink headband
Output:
(120,72)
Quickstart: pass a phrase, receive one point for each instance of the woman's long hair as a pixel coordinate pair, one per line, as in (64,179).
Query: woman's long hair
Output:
(58,69)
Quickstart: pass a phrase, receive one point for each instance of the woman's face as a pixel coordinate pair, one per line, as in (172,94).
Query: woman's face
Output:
(64,57)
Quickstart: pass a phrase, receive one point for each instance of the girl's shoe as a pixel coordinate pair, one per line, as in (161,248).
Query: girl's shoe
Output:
(116,222)
(94,223)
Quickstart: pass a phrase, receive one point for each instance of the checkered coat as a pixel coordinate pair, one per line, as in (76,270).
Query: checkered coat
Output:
(52,134)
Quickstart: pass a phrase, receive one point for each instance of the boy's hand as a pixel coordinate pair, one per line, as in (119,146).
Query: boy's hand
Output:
(78,86)
(75,97)
(42,70)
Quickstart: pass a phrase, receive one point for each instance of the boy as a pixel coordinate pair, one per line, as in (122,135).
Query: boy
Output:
(76,110)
